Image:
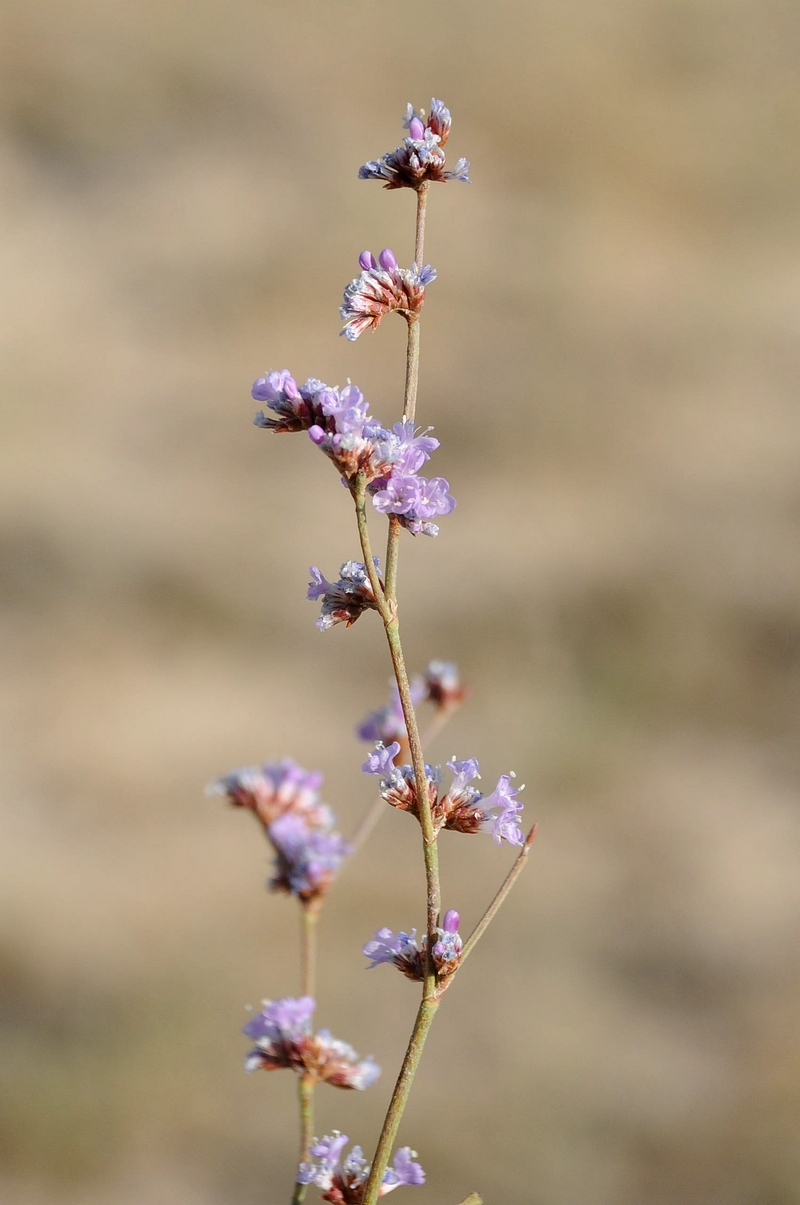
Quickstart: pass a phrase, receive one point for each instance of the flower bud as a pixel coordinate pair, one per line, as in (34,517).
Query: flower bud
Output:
(387,260)
(367,260)
(416,129)
(451,919)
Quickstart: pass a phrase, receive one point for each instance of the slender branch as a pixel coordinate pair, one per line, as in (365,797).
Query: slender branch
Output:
(309,915)
(488,916)
(427,1011)
(419,238)
(305,1088)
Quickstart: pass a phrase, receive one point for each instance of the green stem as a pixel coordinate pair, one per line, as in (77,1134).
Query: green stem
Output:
(305,1088)
(427,1011)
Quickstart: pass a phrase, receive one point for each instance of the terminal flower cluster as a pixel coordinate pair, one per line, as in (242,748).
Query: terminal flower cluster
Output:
(339,423)
(342,1180)
(382,288)
(402,949)
(285,798)
(420,158)
(462,808)
(283,1038)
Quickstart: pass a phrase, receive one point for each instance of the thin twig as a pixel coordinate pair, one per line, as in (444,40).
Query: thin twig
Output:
(488,916)
(309,915)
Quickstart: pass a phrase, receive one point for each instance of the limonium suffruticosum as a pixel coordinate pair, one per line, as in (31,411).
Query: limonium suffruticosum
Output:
(380,463)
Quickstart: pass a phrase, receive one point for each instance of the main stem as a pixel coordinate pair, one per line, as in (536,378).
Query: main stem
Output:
(387,605)
(423,1022)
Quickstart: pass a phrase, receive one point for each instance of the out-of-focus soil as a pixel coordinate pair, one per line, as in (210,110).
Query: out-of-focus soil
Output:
(610,359)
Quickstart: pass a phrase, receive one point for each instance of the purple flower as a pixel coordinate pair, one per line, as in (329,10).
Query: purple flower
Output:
(380,290)
(402,950)
(420,157)
(409,447)
(414,499)
(342,1181)
(345,600)
(398,496)
(271,790)
(404,1170)
(338,422)
(294,406)
(465,810)
(307,859)
(283,1039)
(286,1020)
(502,810)
(381,760)
(387,723)
(463,772)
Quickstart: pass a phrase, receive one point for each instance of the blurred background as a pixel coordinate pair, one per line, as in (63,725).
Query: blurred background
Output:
(610,359)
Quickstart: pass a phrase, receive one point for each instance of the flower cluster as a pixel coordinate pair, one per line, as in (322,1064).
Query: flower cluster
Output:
(342,1181)
(271,790)
(285,798)
(462,808)
(382,288)
(343,601)
(420,157)
(444,686)
(307,860)
(339,423)
(283,1038)
(440,685)
(402,950)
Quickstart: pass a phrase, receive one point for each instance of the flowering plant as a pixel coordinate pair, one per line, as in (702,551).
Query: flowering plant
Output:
(381,463)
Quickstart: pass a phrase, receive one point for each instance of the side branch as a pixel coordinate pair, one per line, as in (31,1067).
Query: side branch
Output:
(489,915)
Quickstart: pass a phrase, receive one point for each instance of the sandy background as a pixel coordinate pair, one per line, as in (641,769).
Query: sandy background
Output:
(610,360)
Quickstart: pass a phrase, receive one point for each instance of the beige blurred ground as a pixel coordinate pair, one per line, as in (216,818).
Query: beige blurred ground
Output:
(610,358)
